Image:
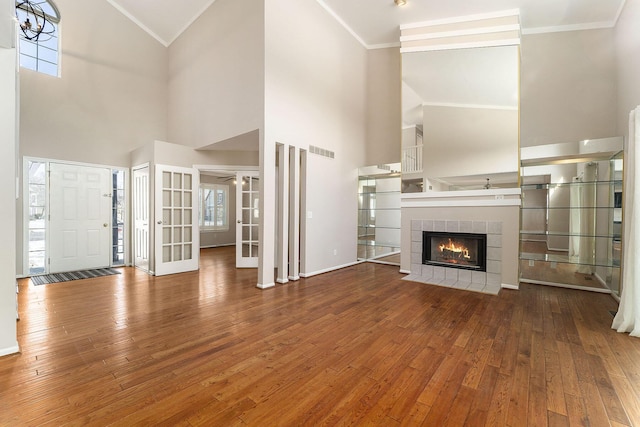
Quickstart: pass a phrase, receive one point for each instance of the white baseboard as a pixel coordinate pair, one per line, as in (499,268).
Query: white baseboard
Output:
(506,286)
(217,246)
(9,350)
(564,285)
(405,271)
(326,270)
(294,278)
(282,281)
(265,286)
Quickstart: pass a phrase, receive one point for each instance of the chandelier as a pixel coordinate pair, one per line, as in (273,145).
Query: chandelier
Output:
(34,22)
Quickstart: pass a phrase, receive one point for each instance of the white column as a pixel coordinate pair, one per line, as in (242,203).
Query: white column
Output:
(266,245)
(8,153)
(294,213)
(282,241)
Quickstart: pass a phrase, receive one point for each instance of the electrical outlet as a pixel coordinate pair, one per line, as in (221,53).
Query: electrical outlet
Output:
(531,263)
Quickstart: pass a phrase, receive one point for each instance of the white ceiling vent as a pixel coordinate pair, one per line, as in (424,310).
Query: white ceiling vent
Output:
(322,152)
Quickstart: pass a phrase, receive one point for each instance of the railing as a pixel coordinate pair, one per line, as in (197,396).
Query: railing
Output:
(412,159)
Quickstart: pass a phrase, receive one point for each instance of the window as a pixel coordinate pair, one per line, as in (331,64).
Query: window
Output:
(39,54)
(37,216)
(118,216)
(214,209)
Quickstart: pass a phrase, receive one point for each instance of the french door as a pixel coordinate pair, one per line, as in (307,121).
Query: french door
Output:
(79,217)
(177,239)
(247,219)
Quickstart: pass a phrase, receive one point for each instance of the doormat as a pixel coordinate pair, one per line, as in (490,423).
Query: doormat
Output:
(73,275)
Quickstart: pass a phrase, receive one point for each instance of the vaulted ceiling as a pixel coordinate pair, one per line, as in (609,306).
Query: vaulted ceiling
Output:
(375,22)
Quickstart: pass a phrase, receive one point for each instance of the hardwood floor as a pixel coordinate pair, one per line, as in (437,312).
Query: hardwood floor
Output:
(358,346)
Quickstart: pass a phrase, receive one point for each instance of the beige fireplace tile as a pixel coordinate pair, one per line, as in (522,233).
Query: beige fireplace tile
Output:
(438,273)
(427,225)
(427,271)
(480,227)
(439,225)
(451,274)
(494,240)
(479,277)
(453,226)
(464,276)
(416,247)
(494,227)
(494,254)
(462,285)
(492,289)
(416,225)
(493,279)
(466,226)
(416,236)
(494,266)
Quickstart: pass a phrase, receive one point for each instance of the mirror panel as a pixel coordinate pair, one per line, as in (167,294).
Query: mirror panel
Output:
(461,105)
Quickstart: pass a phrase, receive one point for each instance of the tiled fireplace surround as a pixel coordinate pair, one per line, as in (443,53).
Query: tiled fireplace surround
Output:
(487,282)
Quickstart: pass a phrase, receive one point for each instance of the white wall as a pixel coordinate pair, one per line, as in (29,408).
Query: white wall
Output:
(315,76)
(8,340)
(384,109)
(216,74)
(568,87)
(627,46)
(112,94)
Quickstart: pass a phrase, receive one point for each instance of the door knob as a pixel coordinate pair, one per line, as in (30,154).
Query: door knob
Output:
(159,222)
(105,225)
(239,221)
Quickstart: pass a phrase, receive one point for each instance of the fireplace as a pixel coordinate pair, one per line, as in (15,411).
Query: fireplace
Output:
(455,250)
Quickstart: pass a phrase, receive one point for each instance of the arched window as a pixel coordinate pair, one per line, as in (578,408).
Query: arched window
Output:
(38,34)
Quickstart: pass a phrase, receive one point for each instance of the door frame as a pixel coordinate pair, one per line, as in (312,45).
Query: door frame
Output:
(230,169)
(131,212)
(24,194)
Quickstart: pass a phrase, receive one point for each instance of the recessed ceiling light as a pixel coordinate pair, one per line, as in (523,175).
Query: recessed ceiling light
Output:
(400,2)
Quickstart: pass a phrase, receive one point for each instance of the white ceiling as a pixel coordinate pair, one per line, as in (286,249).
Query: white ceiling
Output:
(375,22)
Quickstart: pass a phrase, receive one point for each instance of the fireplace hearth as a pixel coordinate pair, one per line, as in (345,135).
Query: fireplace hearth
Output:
(455,250)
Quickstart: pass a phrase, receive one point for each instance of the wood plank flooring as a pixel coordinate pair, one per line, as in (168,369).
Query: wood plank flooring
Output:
(358,346)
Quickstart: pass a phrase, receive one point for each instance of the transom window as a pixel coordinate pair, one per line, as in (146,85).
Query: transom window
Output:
(214,207)
(39,52)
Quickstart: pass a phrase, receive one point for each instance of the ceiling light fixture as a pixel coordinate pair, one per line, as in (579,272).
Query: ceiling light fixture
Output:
(33,21)
(400,2)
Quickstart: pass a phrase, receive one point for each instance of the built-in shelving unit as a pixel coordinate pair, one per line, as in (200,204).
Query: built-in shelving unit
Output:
(571,221)
(379,214)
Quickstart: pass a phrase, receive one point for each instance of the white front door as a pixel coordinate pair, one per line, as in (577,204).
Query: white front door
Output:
(247,219)
(80,217)
(177,238)
(141,217)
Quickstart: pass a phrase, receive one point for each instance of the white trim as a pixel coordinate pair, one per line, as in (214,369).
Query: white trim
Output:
(327,270)
(217,246)
(383,46)
(470,45)
(463,193)
(458,19)
(405,271)
(294,278)
(459,203)
(602,282)
(567,28)
(10,350)
(282,281)
(458,33)
(564,285)
(191,21)
(265,286)
(506,286)
(226,168)
(618,13)
(478,106)
(137,22)
(341,22)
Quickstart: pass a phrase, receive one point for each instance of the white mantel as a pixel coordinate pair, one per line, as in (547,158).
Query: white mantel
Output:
(497,208)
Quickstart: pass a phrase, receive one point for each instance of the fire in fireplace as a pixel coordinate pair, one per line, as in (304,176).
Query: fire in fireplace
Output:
(456,250)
